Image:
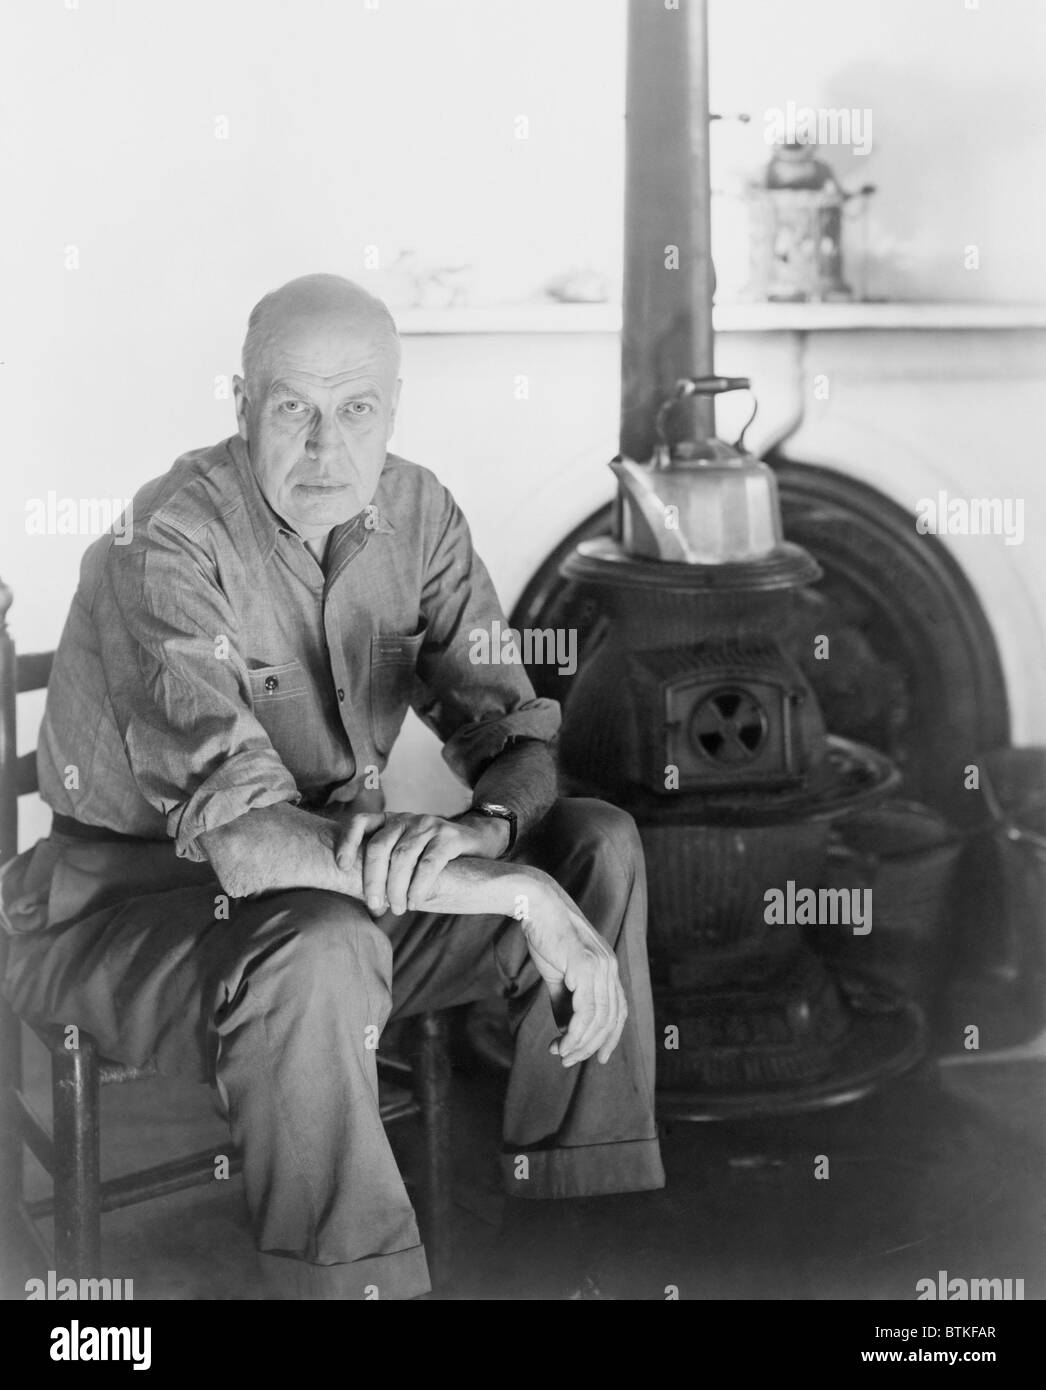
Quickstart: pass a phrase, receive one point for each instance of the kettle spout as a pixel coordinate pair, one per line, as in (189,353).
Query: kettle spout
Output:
(651,525)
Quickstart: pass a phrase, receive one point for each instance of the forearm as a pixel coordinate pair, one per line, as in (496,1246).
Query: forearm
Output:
(523,778)
(281,847)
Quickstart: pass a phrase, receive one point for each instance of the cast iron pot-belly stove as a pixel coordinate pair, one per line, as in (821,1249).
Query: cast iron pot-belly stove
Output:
(691,711)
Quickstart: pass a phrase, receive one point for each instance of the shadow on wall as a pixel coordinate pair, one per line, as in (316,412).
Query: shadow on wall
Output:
(947,196)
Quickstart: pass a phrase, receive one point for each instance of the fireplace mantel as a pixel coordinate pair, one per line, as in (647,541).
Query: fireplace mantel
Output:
(729,318)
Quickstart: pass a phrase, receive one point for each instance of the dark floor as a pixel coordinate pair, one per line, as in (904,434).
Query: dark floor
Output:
(941,1171)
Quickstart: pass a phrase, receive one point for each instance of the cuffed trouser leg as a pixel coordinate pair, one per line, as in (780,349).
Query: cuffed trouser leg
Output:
(585,1130)
(297,1068)
(575,1131)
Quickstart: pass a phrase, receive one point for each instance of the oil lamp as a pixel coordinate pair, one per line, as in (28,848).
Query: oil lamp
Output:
(796,228)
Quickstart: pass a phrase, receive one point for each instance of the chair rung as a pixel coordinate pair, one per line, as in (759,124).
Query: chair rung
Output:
(110,1073)
(117,1073)
(35,1133)
(147,1183)
(163,1179)
(192,1171)
(27,1221)
(395,1066)
(399,1110)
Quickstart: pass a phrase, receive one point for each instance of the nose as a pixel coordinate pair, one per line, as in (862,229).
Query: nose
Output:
(324,443)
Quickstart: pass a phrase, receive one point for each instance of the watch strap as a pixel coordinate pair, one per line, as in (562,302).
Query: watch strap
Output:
(495,811)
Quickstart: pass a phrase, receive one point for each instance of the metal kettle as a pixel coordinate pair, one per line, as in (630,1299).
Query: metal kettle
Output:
(699,501)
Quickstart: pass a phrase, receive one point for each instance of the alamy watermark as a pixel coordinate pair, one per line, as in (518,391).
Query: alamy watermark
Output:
(971,516)
(819,907)
(821,125)
(76,1343)
(973,1289)
(54,1288)
(529,646)
(79,516)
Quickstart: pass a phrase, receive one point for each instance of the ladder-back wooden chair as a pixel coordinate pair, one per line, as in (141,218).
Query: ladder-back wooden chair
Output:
(70,1150)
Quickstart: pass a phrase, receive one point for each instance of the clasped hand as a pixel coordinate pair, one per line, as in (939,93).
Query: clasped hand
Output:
(402,856)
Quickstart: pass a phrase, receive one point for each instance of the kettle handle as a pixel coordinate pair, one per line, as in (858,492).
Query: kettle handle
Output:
(710,385)
(705,386)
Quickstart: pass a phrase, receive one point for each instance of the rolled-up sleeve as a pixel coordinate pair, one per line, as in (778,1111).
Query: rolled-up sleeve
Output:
(475,705)
(180,691)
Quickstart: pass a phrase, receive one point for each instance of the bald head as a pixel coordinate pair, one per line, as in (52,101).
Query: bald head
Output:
(326,309)
(317,401)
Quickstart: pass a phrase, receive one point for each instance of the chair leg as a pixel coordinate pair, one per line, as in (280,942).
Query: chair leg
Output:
(430,1058)
(10,1120)
(77,1211)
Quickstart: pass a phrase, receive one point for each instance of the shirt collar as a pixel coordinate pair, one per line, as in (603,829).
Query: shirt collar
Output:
(268,526)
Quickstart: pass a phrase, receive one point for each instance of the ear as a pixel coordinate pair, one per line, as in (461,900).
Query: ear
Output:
(394,407)
(240,398)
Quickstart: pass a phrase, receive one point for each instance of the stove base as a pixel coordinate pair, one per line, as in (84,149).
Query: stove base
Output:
(885,1037)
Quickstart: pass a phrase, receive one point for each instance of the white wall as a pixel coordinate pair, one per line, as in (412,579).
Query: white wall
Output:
(392,127)
(137,239)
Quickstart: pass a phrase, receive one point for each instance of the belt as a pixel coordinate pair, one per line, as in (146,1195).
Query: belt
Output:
(77,830)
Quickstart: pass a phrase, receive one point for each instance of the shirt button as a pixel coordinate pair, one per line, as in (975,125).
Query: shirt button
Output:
(341,694)
(272,683)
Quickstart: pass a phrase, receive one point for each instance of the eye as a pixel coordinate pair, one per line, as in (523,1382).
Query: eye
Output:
(359,408)
(292,407)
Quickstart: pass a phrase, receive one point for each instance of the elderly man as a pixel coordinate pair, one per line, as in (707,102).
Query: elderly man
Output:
(222,890)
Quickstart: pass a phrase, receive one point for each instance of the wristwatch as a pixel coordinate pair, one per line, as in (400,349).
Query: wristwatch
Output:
(496,811)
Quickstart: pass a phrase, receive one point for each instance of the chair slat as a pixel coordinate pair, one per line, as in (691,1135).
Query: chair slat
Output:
(26,778)
(33,671)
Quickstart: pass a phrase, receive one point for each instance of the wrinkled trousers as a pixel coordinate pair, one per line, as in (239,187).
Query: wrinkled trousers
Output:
(279,1000)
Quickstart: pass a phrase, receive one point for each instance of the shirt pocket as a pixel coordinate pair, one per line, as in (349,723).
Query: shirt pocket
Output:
(393,666)
(280,696)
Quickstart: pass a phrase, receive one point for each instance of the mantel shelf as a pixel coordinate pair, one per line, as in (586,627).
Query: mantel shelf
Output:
(729,318)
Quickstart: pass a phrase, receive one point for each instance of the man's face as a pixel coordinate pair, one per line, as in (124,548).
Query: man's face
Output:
(318,418)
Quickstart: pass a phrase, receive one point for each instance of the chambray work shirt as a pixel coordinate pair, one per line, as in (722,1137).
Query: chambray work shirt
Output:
(211,665)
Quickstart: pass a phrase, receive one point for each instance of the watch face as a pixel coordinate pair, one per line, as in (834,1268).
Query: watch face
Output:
(491,808)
